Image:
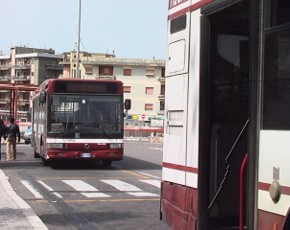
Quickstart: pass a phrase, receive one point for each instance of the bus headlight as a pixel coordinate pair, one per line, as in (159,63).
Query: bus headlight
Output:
(55,146)
(116,146)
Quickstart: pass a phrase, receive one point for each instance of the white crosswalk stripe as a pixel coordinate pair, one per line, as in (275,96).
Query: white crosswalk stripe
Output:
(128,188)
(86,189)
(36,194)
(155,183)
(117,188)
(49,189)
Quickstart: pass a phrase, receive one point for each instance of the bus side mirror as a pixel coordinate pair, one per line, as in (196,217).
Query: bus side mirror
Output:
(127,104)
(42,97)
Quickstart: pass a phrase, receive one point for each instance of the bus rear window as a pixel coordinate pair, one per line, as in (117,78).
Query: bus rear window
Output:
(178,24)
(276,102)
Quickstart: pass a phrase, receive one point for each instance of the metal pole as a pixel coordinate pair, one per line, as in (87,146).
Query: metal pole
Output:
(78,43)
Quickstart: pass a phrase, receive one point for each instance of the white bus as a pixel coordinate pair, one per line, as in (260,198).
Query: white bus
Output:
(227,115)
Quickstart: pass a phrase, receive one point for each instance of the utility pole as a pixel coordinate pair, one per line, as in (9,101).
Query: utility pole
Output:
(78,43)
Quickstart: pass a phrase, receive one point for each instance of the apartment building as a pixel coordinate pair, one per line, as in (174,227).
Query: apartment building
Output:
(25,68)
(20,71)
(143,79)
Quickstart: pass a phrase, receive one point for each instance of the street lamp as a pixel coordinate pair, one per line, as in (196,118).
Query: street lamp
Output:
(78,43)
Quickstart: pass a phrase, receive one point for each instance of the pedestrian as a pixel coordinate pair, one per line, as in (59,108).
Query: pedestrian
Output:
(11,134)
(2,131)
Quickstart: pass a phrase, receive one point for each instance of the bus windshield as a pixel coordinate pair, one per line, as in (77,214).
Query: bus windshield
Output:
(85,116)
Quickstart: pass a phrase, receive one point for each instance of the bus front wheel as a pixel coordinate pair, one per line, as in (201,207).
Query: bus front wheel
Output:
(45,162)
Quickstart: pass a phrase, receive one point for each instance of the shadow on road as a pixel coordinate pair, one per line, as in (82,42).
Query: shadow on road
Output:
(127,163)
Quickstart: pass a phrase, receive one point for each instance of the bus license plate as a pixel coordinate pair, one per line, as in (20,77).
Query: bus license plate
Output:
(86,155)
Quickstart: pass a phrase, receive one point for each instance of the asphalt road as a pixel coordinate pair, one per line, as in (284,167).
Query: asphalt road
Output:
(91,196)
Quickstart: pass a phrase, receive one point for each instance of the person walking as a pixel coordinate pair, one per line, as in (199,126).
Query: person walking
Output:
(2,131)
(11,134)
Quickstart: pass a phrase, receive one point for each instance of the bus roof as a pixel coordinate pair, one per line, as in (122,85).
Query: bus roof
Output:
(75,85)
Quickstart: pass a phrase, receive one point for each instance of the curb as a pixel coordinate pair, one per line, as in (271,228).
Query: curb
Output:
(30,215)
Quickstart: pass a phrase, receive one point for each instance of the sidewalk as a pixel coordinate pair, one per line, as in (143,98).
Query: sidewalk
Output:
(15,213)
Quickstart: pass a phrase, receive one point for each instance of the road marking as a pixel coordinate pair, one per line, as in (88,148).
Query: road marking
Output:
(49,189)
(122,186)
(149,175)
(107,200)
(145,194)
(128,188)
(137,174)
(112,200)
(90,191)
(86,189)
(35,193)
(155,148)
(155,183)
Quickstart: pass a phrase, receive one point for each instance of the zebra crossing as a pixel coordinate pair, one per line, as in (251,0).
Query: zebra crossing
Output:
(102,188)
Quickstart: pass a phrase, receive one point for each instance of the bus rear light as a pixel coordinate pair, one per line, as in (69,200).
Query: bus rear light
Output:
(55,146)
(116,146)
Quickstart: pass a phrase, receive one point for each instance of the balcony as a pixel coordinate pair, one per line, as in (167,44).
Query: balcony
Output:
(109,77)
(21,66)
(160,112)
(161,80)
(53,67)
(21,78)
(23,102)
(161,97)
(5,67)
(4,101)
(5,78)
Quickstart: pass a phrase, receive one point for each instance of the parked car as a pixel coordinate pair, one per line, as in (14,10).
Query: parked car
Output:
(27,135)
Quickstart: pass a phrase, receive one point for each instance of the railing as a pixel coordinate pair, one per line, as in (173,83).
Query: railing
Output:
(54,66)
(228,165)
(21,78)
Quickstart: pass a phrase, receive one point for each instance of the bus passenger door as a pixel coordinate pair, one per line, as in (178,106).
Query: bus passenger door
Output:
(224,111)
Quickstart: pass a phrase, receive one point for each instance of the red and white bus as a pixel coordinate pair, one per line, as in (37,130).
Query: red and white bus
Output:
(227,115)
(77,119)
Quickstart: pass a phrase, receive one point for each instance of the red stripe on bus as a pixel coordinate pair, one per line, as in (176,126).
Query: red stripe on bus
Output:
(178,13)
(199,4)
(180,167)
(265,187)
(172,4)
(189,8)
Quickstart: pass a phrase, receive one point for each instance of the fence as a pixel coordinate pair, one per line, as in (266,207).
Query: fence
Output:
(142,130)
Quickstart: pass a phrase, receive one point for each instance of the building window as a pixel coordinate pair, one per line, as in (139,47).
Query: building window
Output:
(162,89)
(89,69)
(106,70)
(148,106)
(127,89)
(150,71)
(149,90)
(163,72)
(127,71)
(162,105)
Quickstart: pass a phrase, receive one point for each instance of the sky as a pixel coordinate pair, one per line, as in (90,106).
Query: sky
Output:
(130,28)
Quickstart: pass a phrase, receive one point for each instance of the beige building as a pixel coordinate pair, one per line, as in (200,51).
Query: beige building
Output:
(28,67)
(143,79)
